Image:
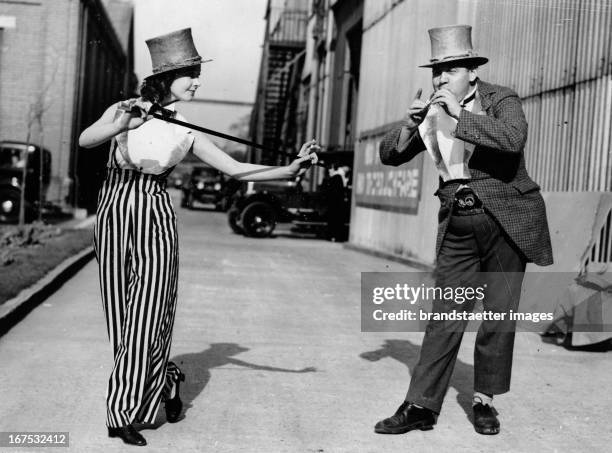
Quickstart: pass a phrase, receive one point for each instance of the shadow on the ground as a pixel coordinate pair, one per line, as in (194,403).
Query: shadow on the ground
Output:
(407,353)
(202,207)
(292,235)
(565,341)
(197,368)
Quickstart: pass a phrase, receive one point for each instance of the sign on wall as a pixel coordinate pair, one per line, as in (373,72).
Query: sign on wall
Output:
(384,187)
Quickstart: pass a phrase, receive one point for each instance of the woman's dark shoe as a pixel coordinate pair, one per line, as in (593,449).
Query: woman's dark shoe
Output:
(406,418)
(174,406)
(128,434)
(485,420)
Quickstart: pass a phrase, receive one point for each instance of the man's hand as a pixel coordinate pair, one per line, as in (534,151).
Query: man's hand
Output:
(416,112)
(448,102)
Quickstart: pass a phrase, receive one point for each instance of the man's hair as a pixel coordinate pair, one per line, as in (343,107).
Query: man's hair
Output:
(468,66)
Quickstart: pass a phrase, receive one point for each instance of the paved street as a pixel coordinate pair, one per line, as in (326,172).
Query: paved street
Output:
(268,334)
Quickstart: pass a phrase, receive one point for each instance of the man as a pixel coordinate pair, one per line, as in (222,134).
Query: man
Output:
(492,221)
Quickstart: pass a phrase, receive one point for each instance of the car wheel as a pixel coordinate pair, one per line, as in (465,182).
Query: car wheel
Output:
(232,218)
(258,219)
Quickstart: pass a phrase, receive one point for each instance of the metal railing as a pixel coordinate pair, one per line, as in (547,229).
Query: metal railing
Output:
(599,255)
(287,26)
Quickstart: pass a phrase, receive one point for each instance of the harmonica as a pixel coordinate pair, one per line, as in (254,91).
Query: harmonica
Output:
(427,105)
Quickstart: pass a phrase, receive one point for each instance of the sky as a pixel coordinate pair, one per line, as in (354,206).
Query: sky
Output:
(230,32)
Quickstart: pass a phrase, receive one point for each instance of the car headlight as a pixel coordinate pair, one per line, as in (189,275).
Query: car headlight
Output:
(217,186)
(7,206)
(200,185)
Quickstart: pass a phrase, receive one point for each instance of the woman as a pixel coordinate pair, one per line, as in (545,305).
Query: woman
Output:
(135,233)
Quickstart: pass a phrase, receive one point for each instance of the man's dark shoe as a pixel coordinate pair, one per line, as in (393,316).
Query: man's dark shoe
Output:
(128,434)
(485,419)
(406,418)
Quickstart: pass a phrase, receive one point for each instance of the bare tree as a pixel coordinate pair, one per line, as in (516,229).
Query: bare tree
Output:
(35,117)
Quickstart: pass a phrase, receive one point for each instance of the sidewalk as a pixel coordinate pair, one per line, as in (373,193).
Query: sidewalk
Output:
(14,309)
(268,334)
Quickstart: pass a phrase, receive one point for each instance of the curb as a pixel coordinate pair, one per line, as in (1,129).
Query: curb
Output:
(15,309)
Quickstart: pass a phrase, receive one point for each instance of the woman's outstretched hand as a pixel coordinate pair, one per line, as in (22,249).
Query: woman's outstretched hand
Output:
(306,157)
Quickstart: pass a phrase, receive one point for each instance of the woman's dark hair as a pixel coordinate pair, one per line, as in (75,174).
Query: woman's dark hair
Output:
(155,88)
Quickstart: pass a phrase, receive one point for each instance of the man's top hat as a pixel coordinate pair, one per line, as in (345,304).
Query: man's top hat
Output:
(172,51)
(452,44)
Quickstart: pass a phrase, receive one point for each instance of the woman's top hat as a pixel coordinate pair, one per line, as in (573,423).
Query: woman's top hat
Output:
(452,44)
(172,51)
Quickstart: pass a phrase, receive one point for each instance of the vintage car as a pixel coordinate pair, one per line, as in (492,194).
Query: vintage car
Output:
(209,186)
(38,175)
(258,206)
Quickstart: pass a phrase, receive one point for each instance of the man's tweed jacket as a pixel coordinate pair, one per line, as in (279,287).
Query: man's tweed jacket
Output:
(497,167)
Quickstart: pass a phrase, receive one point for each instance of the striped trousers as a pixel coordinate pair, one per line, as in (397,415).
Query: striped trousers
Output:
(136,245)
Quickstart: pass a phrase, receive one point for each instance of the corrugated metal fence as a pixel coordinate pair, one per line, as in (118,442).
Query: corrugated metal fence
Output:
(557,54)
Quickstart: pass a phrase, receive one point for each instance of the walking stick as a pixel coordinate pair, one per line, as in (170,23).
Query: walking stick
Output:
(157,111)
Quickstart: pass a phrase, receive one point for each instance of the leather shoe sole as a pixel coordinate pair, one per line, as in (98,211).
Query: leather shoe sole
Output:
(407,418)
(423,426)
(489,430)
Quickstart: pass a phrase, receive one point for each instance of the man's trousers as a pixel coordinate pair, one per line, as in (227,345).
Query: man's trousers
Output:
(474,252)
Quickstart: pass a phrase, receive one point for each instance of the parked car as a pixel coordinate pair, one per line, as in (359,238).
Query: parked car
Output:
(208,185)
(258,206)
(12,162)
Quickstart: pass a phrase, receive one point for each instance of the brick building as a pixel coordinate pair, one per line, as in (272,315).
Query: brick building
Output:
(61,63)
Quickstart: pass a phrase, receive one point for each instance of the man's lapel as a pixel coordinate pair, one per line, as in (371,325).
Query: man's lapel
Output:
(485,92)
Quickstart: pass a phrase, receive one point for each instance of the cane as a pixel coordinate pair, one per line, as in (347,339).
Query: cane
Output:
(157,111)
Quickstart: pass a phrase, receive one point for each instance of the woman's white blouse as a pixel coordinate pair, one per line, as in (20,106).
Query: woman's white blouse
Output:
(154,147)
